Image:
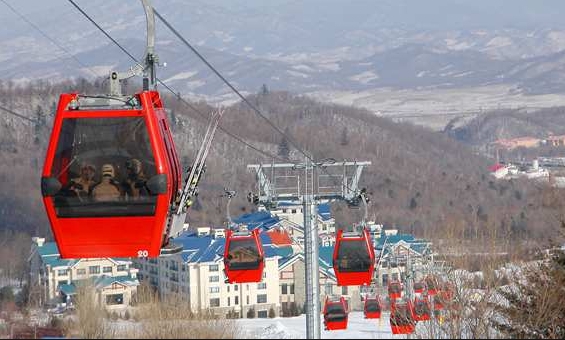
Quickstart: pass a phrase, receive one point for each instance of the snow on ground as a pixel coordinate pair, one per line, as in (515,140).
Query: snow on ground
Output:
(434,107)
(295,328)
(365,77)
(181,76)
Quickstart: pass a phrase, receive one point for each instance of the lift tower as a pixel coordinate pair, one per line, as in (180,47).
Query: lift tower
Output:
(310,184)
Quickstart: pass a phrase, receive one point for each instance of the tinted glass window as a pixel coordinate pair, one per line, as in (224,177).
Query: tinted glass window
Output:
(373,306)
(418,286)
(421,308)
(103,165)
(335,312)
(395,287)
(353,256)
(243,254)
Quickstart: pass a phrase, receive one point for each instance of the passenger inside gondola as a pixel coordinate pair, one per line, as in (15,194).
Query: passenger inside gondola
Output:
(82,186)
(243,254)
(134,186)
(107,190)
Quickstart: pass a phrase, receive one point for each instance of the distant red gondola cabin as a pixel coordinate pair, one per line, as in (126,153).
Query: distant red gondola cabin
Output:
(419,287)
(444,297)
(372,307)
(335,314)
(353,258)
(402,318)
(110,174)
(244,259)
(432,284)
(394,290)
(422,309)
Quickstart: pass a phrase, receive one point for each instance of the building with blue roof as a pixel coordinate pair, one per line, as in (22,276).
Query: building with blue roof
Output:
(196,275)
(114,279)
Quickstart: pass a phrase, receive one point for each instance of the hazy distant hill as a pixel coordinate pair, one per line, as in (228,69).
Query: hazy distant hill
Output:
(302,46)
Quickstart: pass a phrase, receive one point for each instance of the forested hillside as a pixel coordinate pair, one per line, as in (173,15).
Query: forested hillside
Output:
(421,181)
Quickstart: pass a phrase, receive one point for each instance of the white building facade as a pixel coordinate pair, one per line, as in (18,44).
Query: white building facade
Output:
(115,280)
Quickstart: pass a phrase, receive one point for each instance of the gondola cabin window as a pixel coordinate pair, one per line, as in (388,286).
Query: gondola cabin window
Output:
(353,256)
(243,254)
(103,165)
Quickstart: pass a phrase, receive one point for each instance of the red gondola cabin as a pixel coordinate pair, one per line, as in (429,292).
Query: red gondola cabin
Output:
(402,318)
(244,259)
(394,290)
(110,174)
(422,309)
(432,284)
(372,307)
(335,314)
(419,287)
(444,296)
(353,258)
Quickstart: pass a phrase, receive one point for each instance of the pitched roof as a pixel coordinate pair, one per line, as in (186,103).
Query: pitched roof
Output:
(258,219)
(324,210)
(418,245)
(67,289)
(279,237)
(104,281)
(50,256)
(49,253)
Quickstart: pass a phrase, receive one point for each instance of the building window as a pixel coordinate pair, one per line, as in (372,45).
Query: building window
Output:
(215,302)
(214,289)
(236,288)
(122,268)
(262,298)
(385,280)
(229,301)
(284,288)
(262,314)
(213,268)
(115,299)
(293,211)
(247,299)
(262,285)
(94,270)
(214,278)
(106,269)
(264,274)
(62,272)
(292,288)
(344,290)
(228,289)
(81,271)
(329,289)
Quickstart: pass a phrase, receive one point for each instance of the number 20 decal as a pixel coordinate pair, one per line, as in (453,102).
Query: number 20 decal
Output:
(142,253)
